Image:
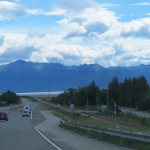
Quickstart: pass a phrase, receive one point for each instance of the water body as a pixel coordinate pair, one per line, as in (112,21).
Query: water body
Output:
(40,93)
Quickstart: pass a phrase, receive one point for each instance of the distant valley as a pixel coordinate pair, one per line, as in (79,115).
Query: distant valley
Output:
(22,76)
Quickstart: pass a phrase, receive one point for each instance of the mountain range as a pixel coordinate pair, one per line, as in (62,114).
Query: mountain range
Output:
(22,76)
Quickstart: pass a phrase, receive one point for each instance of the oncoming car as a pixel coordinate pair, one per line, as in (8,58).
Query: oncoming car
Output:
(26,113)
(3,116)
(27,108)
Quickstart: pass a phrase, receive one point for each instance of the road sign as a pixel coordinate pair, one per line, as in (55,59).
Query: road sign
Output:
(64,106)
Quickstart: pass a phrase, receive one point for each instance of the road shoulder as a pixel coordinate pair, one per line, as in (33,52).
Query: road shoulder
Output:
(66,139)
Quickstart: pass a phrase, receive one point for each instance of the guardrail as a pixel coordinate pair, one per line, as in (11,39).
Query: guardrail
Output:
(144,137)
(140,136)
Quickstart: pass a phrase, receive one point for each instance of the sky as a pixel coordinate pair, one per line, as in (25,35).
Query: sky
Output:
(75,32)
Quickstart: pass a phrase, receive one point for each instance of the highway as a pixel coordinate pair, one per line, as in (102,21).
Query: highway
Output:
(41,131)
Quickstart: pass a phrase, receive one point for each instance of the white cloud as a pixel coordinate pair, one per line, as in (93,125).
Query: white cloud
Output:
(92,34)
(34,11)
(90,23)
(1,40)
(9,10)
(76,6)
(42,12)
(131,51)
(45,47)
(142,4)
(96,22)
(55,12)
(109,5)
(136,28)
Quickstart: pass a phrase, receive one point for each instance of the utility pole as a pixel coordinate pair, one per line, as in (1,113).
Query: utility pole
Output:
(49,93)
(115,114)
(87,102)
(7,98)
(107,98)
(42,93)
(97,99)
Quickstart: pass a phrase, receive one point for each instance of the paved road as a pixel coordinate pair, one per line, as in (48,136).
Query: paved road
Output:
(19,132)
(24,133)
(132,110)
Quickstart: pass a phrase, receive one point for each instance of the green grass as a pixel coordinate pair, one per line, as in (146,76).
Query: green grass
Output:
(129,120)
(122,142)
(90,108)
(78,118)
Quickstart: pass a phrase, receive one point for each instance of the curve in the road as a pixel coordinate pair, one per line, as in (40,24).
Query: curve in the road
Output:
(47,138)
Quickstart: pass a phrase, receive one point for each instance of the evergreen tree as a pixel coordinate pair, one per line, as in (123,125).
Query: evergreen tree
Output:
(114,92)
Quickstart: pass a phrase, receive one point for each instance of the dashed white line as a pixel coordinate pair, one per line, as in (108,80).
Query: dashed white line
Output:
(31,114)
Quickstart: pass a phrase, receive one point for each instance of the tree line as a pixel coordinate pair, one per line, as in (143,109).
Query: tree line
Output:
(133,92)
(8,98)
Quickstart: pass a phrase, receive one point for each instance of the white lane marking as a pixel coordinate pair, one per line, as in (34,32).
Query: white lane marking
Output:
(47,139)
(31,114)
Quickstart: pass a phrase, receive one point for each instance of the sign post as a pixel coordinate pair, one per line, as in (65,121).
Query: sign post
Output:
(64,106)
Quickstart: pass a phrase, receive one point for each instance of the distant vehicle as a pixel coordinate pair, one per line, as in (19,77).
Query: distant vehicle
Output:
(26,113)
(27,108)
(3,116)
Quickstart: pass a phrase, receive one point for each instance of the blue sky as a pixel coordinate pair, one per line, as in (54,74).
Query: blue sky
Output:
(74,32)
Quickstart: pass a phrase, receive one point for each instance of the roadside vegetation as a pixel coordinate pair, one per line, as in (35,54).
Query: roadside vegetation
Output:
(88,100)
(106,120)
(78,118)
(122,142)
(8,98)
(133,92)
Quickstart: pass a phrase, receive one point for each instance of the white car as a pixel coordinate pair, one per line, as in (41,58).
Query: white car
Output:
(27,108)
(26,113)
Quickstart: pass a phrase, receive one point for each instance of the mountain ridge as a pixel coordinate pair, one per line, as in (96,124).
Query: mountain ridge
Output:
(22,76)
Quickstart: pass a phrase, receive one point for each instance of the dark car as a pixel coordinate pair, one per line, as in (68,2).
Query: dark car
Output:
(3,116)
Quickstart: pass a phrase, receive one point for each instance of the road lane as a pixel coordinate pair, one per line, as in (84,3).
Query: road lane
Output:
(19,132)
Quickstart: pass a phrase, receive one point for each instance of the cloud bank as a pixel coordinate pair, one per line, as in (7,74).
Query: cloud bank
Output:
(89,33)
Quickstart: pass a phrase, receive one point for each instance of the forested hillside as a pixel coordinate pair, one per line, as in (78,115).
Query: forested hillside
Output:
(132,92)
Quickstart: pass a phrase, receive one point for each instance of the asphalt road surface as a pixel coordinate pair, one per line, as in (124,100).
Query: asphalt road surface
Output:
(40,131)
(134,111)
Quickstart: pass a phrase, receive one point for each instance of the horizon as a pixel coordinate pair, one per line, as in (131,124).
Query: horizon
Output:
(105,32)
(71,65)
